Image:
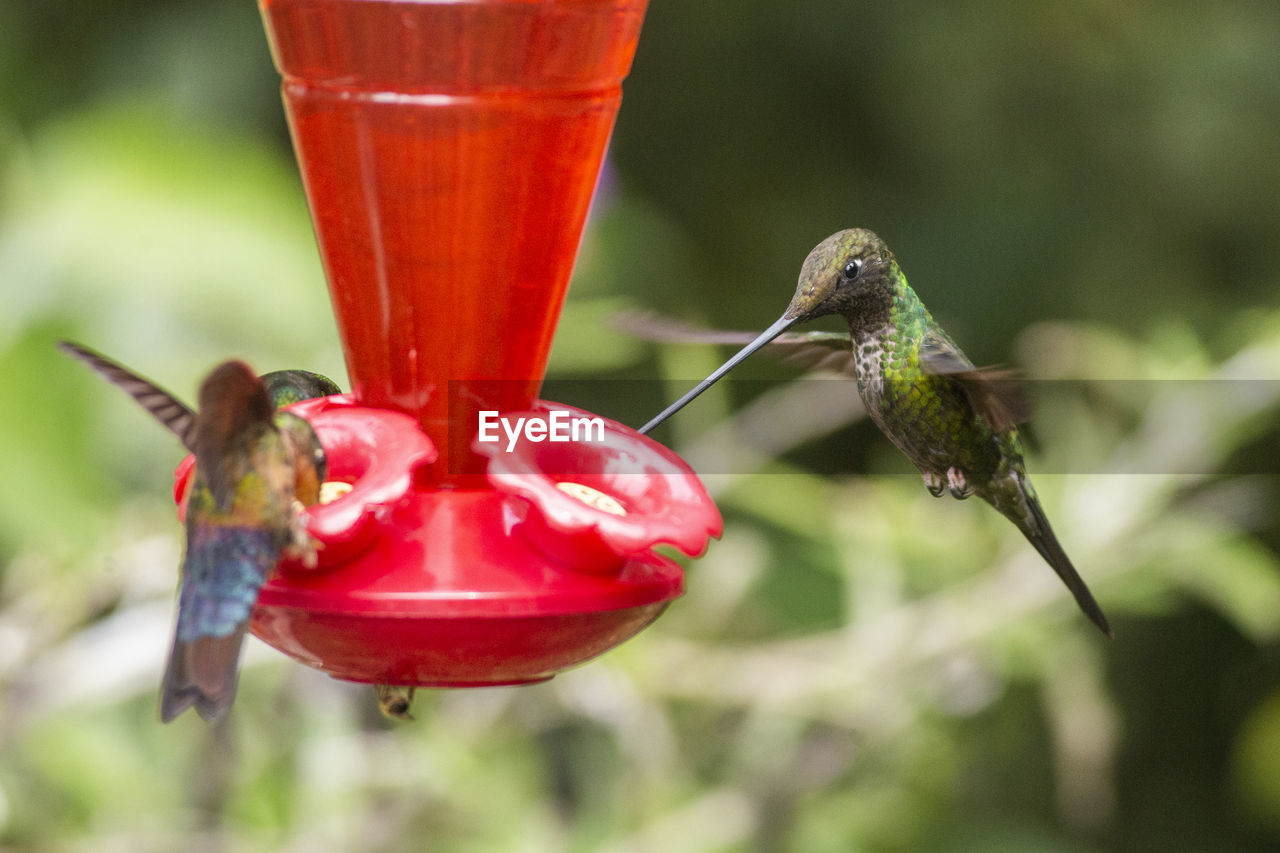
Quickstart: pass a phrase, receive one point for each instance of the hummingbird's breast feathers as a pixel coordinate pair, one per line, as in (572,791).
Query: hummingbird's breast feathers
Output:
(924,411)
(263,480)
(306,457)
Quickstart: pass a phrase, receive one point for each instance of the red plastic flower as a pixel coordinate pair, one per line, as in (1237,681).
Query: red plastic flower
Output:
(595,492)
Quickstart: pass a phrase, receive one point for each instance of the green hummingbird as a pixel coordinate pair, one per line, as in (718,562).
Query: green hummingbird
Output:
(957,423)
(256,469)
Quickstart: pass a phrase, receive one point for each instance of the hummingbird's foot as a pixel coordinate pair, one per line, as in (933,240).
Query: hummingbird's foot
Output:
(934,483)
(958,484)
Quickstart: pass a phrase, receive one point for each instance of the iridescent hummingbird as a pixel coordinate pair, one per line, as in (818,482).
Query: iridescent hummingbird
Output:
(954,421)
(256,469)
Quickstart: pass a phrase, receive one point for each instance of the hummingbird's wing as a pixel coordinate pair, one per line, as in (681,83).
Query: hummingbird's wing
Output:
(808,350)
(235,411)
(175,415)
(995,393)
(827,351)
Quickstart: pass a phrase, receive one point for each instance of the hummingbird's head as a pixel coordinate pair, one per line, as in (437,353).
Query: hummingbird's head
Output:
(286,387)
(837,270)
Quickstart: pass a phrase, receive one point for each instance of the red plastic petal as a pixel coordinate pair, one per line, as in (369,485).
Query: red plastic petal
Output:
(651,496)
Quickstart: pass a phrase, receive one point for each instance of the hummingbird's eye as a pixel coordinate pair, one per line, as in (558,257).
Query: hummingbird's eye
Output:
(852,268)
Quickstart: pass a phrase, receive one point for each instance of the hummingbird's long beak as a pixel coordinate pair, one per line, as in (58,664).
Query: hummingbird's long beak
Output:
(765,337)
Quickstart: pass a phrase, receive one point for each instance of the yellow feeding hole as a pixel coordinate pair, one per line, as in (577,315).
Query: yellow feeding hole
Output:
(592,497)
(331,490)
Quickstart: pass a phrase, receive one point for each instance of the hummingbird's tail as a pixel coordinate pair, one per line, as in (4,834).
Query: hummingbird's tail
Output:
(1041,536)
(201,673)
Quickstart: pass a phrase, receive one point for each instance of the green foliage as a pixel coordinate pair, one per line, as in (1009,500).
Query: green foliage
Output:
(1083,191)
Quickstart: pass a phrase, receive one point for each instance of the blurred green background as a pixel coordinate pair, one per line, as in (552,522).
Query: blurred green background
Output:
(1087,191)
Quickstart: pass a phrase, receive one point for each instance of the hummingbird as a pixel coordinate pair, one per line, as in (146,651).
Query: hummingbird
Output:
(256,470)
(957,423)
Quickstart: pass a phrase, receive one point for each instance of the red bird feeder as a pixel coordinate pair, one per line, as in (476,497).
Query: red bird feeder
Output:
(449,151)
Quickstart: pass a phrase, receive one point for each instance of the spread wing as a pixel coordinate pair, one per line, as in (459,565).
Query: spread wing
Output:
(171,412)
(995,393)
(808,350)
